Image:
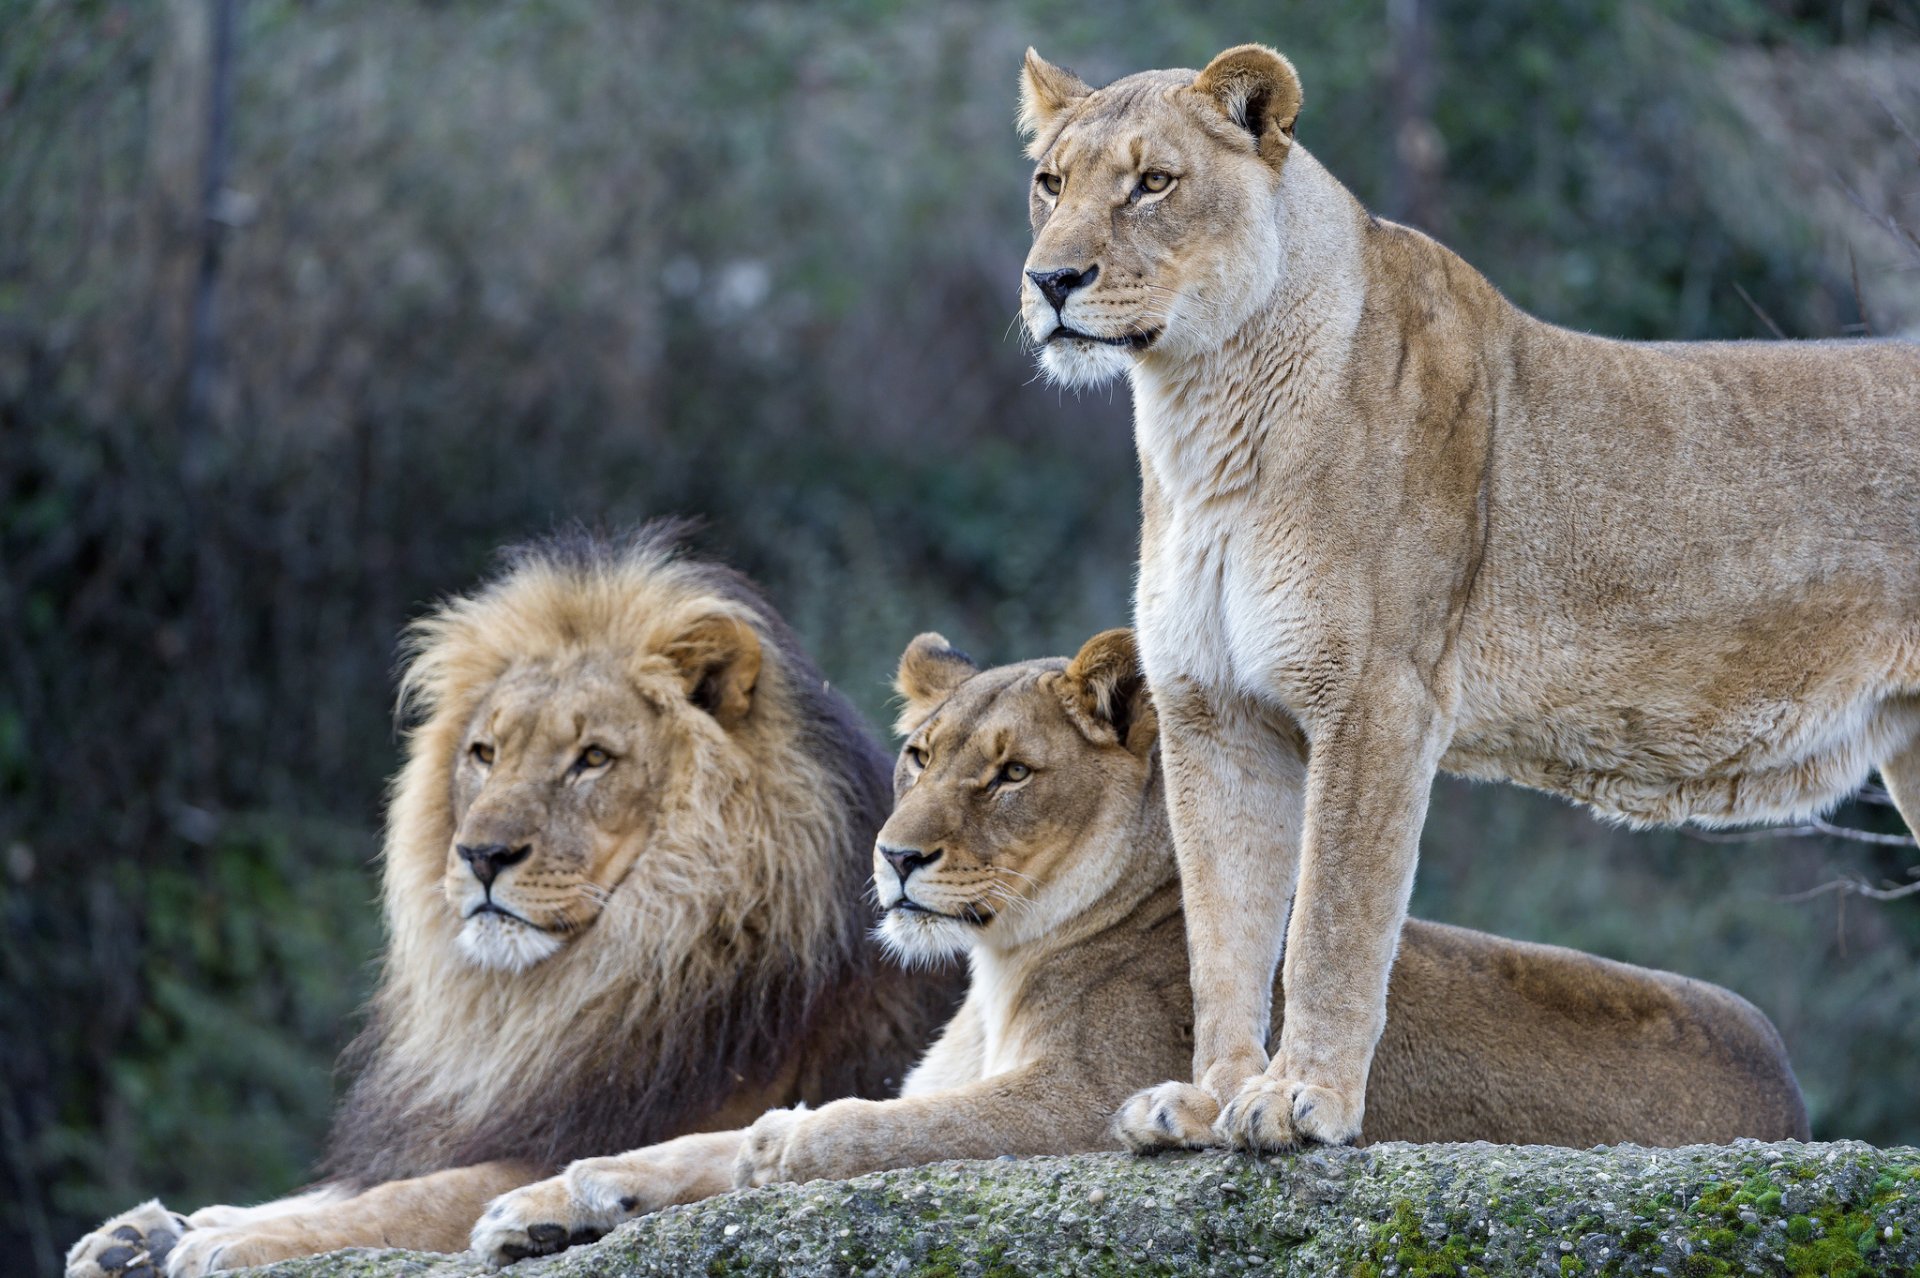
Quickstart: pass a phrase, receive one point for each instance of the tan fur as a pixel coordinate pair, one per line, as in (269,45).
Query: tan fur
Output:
(1080,992)
(693,947)
(1392,517)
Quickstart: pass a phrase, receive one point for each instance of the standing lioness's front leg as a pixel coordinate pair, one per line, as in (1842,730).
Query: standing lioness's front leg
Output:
(1235,771)
(1368,778)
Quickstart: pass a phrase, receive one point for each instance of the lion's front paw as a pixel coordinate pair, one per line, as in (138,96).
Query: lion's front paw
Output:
(542,1218)
(763,1154)
(134,1245)
(1272,1114)
(1170,1116)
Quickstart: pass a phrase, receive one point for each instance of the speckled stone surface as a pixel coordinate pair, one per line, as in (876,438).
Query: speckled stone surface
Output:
(1391,1211)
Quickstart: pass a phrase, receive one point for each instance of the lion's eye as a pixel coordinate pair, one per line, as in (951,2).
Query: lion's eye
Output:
(483,754)
(1015,773)
(917,757)
(1155,182)
(1050,183)
(594,757)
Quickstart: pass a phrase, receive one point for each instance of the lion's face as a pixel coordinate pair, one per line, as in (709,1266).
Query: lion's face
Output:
(554,789)
(1007,777)
(1154,228)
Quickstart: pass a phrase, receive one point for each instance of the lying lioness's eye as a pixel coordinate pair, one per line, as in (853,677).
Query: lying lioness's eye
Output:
(1015,772)
(1156,182)
(483,754)
(916,756)
(1050,182)
(594,757)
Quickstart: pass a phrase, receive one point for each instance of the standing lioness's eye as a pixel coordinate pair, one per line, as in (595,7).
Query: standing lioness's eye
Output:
(1155,182)
(1015,772)
(1050,183)
(595,757)
(483,754)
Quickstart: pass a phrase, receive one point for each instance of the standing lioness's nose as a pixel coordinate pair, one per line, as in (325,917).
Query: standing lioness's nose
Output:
(1055,285)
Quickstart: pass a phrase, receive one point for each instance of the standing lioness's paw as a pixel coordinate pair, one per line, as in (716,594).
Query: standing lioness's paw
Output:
(1170,1116)
(133,1245)
(1273,1114)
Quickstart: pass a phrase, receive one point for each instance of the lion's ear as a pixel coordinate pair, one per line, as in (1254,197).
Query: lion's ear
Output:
(1258,90)
(1107,686)
(1045,92)
(930,669)
(718,657)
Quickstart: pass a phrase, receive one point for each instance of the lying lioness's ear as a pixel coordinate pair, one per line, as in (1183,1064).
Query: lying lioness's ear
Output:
(1259,91)
(1108,689)
(930,669)
(1045,91)
(718,657)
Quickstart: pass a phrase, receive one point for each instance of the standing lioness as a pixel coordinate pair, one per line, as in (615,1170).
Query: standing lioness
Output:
(1392,518)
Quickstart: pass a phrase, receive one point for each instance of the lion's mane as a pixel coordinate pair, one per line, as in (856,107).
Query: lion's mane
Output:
(710,963)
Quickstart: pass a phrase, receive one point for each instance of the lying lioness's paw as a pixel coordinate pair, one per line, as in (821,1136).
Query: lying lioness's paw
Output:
(1170,1116)
(215,1251)
(538,1220)
(1273,1114)
(133,1245)
(763,1154)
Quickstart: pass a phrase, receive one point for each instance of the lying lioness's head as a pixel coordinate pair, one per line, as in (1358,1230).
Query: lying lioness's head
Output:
(1006,776)
(1151,206)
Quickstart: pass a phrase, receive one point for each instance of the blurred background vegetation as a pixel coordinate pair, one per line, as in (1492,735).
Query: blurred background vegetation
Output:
(302,317)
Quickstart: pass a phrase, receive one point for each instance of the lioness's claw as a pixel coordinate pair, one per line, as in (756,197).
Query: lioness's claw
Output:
(1170,1116)
(1274,1114)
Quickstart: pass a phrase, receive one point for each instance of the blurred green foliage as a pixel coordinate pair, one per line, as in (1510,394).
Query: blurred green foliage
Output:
(491,267)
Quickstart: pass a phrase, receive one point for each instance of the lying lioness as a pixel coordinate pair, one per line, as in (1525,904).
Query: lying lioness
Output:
(1031,833)
(1389,515)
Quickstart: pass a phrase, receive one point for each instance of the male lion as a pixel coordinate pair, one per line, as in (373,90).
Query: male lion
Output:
(1031,832)
(1390,516)
(624,863)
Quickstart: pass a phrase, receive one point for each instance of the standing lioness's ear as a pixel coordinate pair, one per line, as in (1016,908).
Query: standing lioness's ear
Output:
(1259,91)
(1045,92)
(1108,691)
(718,657)
(930,669)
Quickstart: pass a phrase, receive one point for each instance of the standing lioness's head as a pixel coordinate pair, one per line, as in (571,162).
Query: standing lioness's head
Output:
(1014,794)
(1152,207)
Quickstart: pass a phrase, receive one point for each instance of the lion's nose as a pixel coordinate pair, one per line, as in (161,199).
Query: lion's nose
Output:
(906,860)
(486,860)
(1055,285)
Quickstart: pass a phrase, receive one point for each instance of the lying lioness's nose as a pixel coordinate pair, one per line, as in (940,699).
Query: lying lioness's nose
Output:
(486,860)
(906,860)
(1055,285)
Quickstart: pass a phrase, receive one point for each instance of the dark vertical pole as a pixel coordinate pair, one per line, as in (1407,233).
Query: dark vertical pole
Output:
(1413,192)
(203,326)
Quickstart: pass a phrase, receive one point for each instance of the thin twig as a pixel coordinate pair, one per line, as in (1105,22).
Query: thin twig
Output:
(1859,299)
(1856,887)
(1805,829)
(1755,306)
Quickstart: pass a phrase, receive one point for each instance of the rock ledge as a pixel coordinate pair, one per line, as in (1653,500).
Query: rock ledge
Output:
(1390,1211)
